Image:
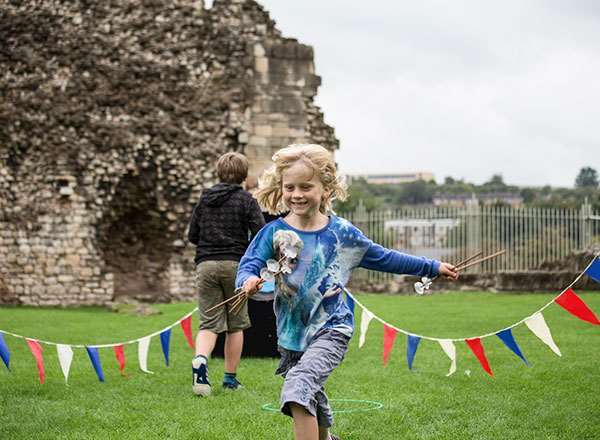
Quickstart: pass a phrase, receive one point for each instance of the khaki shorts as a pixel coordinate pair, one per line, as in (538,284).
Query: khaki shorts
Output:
(215,281)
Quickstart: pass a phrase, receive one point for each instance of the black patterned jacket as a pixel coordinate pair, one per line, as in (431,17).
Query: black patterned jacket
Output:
(223,222)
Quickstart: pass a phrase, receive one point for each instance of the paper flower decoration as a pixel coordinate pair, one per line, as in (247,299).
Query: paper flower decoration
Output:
(423,285)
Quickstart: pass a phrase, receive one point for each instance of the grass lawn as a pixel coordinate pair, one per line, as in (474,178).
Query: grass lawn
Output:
(556,398)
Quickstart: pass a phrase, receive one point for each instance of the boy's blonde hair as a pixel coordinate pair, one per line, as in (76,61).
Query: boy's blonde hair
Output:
(270,193)
(232,168)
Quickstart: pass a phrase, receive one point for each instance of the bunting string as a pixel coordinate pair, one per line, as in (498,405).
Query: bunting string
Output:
(567,299)
(432,338)
(114,344)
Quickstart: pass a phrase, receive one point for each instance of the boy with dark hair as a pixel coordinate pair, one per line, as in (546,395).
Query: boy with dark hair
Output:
(222,225)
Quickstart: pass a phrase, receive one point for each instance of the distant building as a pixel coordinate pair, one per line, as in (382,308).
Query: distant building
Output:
(422,236)
(392,179)
(486,199)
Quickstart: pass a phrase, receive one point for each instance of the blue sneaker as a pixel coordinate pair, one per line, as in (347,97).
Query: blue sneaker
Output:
(200,383)
(231,383)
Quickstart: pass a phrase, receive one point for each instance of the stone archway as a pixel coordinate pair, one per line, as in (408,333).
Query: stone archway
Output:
(134,238)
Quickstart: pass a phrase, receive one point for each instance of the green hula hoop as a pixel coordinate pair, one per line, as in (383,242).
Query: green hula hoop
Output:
(372,406)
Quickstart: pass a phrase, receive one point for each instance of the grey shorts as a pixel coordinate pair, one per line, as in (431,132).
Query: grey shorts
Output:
(215,281)
(306,372)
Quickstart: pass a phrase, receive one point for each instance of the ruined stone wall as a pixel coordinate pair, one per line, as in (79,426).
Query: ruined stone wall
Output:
(112,115)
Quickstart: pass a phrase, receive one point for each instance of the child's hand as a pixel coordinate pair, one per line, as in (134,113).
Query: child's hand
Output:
(447,270)
(252,285)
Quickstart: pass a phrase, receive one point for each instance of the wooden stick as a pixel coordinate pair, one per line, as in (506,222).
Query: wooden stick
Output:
(466,260)
(238,304)
(480,260)
(237,307)
(236,296)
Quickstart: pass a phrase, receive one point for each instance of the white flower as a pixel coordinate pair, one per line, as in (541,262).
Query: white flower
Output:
(423,285)
(273,265)
(285,268)
(266,275)
(419,288)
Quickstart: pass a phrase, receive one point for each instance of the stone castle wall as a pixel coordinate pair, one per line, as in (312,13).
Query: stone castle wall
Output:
(112,117)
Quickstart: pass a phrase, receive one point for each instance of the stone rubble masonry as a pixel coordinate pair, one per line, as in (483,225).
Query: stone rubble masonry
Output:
(111,119)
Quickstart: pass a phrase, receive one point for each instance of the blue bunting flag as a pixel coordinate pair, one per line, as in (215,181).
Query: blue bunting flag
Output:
(594,270)
(411,349)
(4,352)
(165,341)
(507,337)
(95,358)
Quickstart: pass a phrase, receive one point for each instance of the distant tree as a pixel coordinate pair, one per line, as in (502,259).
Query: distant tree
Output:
(496,181)
(417,192)
(528,194)
(587,178)
(359,192)
(449,181)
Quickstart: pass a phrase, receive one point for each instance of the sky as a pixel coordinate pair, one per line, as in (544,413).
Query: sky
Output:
(466,89)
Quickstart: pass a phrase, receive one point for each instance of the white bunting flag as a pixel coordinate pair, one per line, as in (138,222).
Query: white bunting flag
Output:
(65,356)
(364,325)
(143,346)
(539,328)
(450,350)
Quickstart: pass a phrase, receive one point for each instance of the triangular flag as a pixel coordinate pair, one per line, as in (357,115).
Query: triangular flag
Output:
(350,303)
(411,349)
(95,359)
(364,325)
(539,328)
(120,355)
(477,349)
(450,350)
(36,351)
(65,357)
(389,336)
(165,342)
(594,270)
(186,325)
(4,352)
(573,304)
(507,337)
(143,346)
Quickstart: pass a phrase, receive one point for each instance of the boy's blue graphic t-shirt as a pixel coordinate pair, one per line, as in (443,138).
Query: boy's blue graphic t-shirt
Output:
(308,298)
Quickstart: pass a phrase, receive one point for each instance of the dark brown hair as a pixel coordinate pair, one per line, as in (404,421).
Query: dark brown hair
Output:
(232,168)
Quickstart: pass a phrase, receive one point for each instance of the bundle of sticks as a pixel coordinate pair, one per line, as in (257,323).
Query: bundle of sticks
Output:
(421,286)
(237,301)
(476,259)
(240,296)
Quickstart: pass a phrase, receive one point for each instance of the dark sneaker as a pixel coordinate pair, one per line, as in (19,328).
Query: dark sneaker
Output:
(231,383)
(200,384)
(333,437)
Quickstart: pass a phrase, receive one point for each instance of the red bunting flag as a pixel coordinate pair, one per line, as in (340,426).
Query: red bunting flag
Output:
(186,325)
(36,351)
(573,304)
(120,354)
(389,336)
(477,349)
